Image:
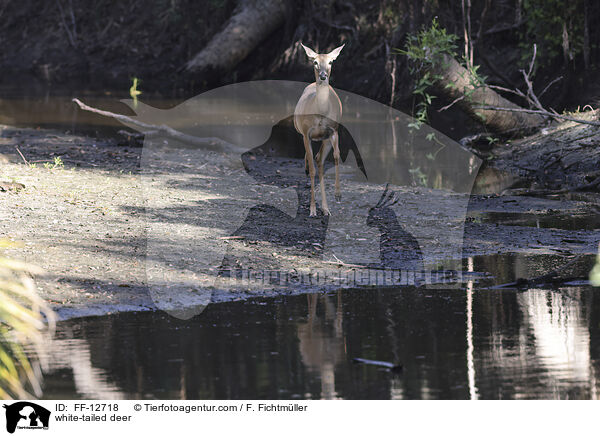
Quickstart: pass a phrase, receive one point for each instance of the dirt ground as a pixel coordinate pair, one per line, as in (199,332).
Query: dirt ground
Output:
(85,222)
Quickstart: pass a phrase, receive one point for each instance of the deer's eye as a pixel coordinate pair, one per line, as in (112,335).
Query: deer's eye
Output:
(316,64)
(330,62)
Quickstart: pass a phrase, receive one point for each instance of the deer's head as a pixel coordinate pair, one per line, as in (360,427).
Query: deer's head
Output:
(322,63)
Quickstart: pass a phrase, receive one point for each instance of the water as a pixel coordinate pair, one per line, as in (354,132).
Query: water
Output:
(453,344)
(53,108)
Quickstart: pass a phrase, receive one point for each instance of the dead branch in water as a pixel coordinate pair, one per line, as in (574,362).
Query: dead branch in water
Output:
(210,143)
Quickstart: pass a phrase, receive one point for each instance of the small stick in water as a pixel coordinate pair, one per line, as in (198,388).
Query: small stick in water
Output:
(389,365)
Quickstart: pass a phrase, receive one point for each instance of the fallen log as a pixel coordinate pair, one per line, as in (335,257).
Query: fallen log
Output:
(251,22)
(463,89)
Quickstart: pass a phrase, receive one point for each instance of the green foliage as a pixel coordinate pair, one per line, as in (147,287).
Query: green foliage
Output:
(491,140)
(134,92)
(419,177)
(58,163)
(426,47)
(423,84)
(544,24)
(22,314)
(431,137)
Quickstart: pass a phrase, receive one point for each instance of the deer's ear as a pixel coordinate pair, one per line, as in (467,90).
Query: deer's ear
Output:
(309,52)
(332,56)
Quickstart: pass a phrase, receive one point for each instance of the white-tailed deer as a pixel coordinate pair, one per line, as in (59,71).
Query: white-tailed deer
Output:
(316,118)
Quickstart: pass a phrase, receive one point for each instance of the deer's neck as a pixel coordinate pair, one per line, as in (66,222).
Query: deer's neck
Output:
(323,97)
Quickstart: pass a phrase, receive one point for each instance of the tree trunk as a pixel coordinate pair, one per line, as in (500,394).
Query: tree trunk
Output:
(456,83)
(250,24)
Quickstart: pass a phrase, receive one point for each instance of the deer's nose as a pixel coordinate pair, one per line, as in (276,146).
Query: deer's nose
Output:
(322,75)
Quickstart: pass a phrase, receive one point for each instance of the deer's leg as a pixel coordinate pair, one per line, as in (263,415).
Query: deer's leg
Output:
(306,164)
(311,172)
(320,159)
(336,157)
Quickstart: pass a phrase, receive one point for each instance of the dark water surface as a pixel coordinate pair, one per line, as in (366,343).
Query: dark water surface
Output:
(453,344)
(36,105)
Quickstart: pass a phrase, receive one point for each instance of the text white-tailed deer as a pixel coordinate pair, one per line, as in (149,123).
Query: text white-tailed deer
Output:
(316,118)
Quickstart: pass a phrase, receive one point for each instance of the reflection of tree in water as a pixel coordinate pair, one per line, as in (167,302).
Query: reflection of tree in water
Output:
(538,341)
(423,154)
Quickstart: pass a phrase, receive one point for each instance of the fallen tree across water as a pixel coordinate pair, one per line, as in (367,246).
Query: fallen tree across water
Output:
(466,91)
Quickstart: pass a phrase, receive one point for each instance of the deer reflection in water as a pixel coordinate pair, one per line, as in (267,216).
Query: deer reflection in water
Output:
(322,342)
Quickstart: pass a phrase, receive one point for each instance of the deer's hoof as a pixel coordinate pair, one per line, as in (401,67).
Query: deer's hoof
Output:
(326,212)
(338,196)
(313,211)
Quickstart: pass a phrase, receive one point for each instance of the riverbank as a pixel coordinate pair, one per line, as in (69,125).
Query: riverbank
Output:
(81,217)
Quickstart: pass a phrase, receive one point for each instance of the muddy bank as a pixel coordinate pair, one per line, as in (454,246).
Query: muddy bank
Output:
(561,157)
(85,222)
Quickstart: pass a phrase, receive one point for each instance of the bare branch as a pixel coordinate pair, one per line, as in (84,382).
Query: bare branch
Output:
(211,143)
(482,20)
(504,27)
(532,60)
(512,91)
(71,33)
(531,97)
(456,100)
(23,157)
(550,84)
(465,32)
(339,262)
(470,33)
